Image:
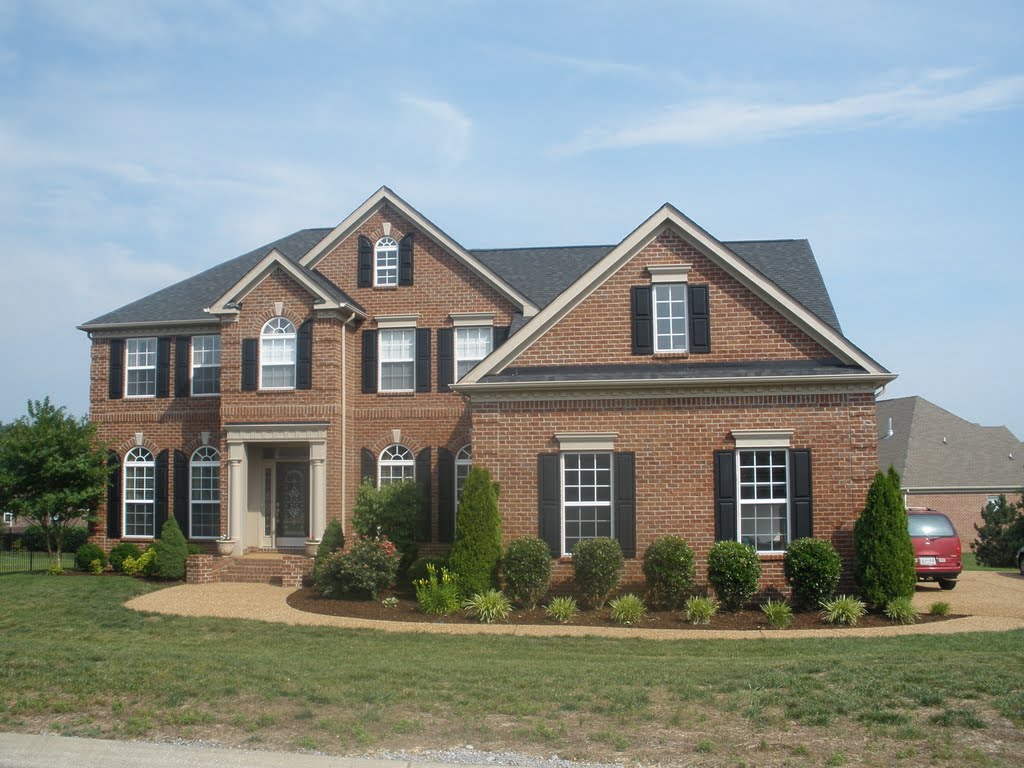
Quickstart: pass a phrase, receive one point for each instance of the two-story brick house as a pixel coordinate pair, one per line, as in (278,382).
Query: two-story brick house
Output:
(670,383)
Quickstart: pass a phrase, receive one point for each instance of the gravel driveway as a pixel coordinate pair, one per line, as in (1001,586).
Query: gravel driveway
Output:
(992,601)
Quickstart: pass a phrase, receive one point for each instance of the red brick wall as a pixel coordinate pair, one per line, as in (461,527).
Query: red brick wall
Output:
(743,326)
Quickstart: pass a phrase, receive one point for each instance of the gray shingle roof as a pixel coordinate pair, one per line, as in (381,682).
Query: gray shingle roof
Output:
(542,273)
(688,370)
(933,448)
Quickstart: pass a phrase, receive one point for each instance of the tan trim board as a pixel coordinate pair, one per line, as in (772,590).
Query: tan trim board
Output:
(171,327)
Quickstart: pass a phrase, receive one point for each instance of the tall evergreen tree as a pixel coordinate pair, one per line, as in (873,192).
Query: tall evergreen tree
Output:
(477,548)
(884,553)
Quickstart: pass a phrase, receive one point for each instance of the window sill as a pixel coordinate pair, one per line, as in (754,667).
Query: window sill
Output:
(384,287)
(206,394)
(673,355)
(769,556)
(140,397)
(403,393)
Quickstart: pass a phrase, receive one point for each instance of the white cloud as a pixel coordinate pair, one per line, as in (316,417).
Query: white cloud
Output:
(452,129)
(932,99)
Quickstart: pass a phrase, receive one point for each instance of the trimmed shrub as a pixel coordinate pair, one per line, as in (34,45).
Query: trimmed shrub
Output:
(367,565)
(812,568)
(438,592)
(597,565)
(332,540)
(170,552)
(119,552)
(1001,534)
(699,610)
(734,571)
(476,551)
(628,609)
(488,606)
(393,512)
(86,554)
(33,539)
(779,614)
(668,568)
(845,609)
(196,549)
(526,566)
(418,570)
(884,553)
(563,609)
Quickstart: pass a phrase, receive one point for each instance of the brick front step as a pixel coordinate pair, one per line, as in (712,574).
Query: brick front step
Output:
(283,570)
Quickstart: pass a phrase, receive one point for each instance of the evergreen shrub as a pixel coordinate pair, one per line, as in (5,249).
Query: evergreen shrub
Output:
(170,553)
(812,568)
(668,568)
(597,566)
(1001,533)
(526,566)
(476,551)
(86,554)
(734,571)
(119,552)
(885,567)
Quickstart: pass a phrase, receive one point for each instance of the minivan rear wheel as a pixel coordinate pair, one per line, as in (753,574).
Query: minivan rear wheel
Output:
(947,583)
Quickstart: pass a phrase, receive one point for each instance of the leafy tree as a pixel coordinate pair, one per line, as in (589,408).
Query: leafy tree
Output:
(884,553)
(392,511)
(53,471)
(1001,534)
(477,548)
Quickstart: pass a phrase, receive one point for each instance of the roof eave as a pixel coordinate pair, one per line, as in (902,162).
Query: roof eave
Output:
(139,325)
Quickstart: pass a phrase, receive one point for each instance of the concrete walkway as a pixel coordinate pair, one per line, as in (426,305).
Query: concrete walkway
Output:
(19,750)
(992,601)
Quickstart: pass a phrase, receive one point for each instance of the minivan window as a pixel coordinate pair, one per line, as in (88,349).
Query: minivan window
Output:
(930,525)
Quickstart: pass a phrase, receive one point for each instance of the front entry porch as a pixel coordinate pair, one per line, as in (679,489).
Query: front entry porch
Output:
(277,485)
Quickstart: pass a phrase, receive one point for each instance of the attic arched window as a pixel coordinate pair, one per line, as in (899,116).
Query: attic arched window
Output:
(396,464)
(277,354)
(385,260)
(139,493)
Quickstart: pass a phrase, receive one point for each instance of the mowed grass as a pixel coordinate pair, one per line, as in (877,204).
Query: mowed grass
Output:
(971,563)
(74,660)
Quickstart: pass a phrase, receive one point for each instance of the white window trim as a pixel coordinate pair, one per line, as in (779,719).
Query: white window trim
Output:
(463,319)
(151,464)
(127,368)
(192,464)
(746,439)
(455,350)
(376,262)
(295,338)
(669,273)
(611,494)
(193,366)
(740,503)
(381,360)
(586,442)
(8,518)
(654,317)
(393,462)
(397,321)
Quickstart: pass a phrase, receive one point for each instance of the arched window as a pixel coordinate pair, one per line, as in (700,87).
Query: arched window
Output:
(463,463)
(385,261)
(139,493)
(396,464)
(204,504)
(277,354)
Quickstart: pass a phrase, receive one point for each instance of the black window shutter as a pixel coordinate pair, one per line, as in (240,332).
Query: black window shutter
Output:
(549,489)
(304,356)
(113,496)
(725,496)
(800,494)
(365,277)
(700,320)
(369,362)
(161,493)
(445,358)
(423,360)
(405,260)
(181,492)
(163,366)
(116,376)
(643,325)
(367,466)
(625,502)
(182,366)
(250,364)
(423,481)
(445,496)
(500,335)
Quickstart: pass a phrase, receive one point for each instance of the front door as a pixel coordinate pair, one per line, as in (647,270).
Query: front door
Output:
(292,503)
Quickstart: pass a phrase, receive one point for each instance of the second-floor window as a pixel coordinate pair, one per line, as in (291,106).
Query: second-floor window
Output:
(206,365)
(277,354)
(471,346)
(140,367)
(385,258)
(397,359)
(670,317)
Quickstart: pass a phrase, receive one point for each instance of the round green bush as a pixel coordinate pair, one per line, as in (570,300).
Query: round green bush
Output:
(171,553)
(120,551)
(668,568)
(734,571)
(526,565)
(418,569)
(477,549)
(885,567)
(597,566)
(812,568)
(86,554)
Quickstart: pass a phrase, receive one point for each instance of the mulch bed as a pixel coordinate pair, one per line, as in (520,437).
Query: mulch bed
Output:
(308,600)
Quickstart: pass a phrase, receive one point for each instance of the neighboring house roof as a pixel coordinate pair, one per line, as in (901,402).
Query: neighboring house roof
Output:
(936,450)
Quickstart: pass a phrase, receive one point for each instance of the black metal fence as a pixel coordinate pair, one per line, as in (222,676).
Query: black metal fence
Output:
(31,562)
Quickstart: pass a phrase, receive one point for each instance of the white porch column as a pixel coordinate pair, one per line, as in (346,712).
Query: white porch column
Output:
(236,496)
(318,461)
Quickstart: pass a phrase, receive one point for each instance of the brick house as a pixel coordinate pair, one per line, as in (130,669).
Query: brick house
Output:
(948,463)
(670,383)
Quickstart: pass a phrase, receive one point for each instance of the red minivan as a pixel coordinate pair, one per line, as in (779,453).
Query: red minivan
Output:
(936,547)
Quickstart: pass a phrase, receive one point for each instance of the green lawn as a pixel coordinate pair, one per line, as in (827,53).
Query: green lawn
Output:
(971,564)
(74,660)
(23,562)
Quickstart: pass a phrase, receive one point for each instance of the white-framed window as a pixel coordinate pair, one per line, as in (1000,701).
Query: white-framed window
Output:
(472,345)
(140,367)
(8,518)
(586,497)
(206,365)
(670,317)
(204,502)
(463,463)
(277,354)
(139,494)
(396,464)
(397,359)
(385,262)
(763,485)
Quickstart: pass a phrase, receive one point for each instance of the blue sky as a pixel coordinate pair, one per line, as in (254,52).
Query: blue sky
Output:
(143,142)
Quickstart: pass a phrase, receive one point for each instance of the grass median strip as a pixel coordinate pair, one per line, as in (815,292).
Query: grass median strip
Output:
(75,660)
